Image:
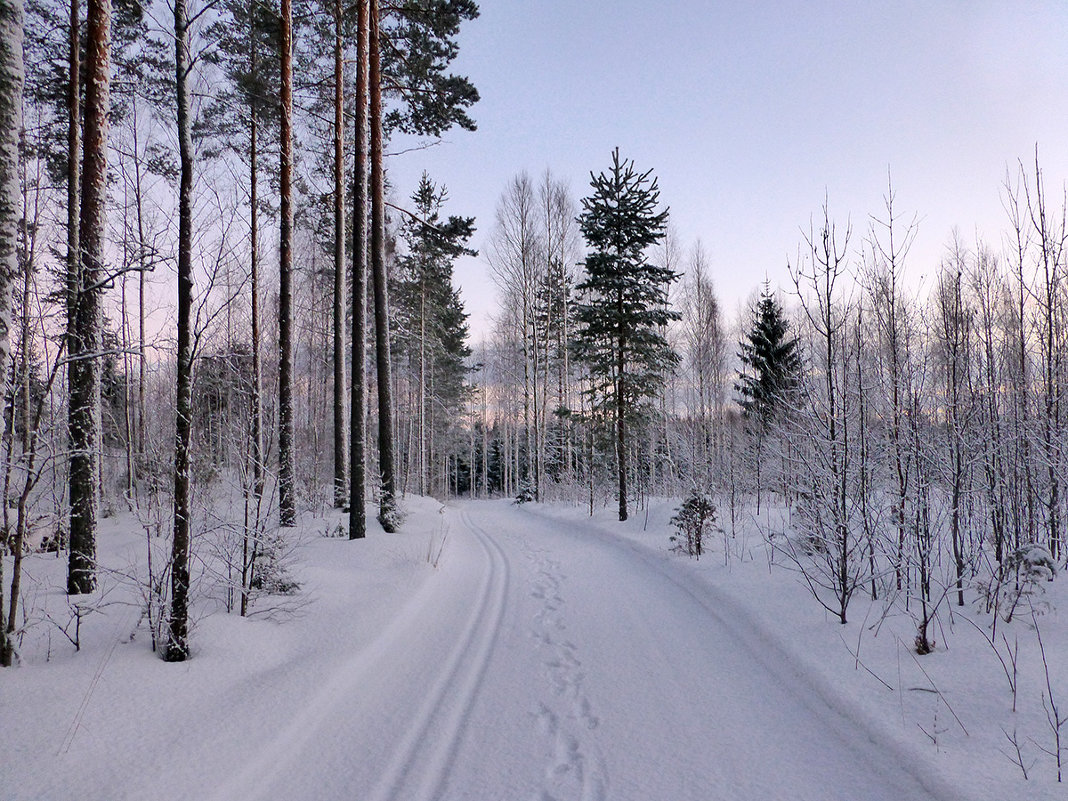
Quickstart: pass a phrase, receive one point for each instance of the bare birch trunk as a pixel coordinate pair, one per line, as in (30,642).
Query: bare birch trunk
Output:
(11,82)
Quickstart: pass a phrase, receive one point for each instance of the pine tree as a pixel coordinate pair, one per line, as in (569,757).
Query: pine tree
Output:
(771,362)
(84,345)
(625,308)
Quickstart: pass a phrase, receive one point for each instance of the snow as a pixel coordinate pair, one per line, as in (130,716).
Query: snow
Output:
(544,656)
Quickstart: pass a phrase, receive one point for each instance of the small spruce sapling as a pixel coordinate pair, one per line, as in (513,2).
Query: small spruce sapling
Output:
(693,519)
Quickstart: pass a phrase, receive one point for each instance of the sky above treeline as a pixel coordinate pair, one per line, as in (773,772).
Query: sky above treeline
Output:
(751,113)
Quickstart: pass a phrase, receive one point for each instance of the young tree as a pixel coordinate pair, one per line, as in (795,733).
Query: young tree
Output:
(626,299)
(831,551)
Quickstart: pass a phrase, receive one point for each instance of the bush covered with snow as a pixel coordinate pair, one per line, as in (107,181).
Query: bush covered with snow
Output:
(692,521)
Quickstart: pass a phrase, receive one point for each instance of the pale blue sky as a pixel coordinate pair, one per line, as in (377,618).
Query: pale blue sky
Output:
(748,112)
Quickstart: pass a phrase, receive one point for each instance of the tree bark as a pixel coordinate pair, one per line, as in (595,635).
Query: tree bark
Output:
(178,644)
(341,456)
(387,514)
(11,82)
(84,347)
(287,506)
(358,410)
(256,401)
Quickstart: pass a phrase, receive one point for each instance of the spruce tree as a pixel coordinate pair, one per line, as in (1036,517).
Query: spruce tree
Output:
(625,300)
(771,362)
(431,325)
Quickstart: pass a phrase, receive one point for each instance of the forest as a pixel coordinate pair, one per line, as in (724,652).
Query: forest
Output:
(218,316)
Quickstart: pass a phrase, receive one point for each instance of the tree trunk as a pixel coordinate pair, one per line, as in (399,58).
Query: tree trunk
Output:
(11,82)
(84,348)
(341,455)
(621,425)
(178,644)
(74,157)
(250,543)
(287,504)
(387,514)
(358,410)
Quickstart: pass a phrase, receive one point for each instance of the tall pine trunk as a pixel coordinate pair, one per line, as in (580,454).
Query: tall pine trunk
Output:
(341,454)
(358,410)
(287,505)
(178,644)
(387,514)
(84,347)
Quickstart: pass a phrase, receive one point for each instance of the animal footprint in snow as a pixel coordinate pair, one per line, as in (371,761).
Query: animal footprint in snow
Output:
(547,720)
(582,712)
(567,755)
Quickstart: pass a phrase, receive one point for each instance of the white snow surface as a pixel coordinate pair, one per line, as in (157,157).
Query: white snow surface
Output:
(546,657)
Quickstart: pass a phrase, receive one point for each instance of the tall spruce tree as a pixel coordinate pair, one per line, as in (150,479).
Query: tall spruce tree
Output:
(771,362)
(431,331)
(625,300)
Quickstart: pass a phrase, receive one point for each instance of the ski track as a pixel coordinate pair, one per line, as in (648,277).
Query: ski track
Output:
(420,766)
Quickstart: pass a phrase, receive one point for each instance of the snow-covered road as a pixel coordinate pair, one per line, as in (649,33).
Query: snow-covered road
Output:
(546,660)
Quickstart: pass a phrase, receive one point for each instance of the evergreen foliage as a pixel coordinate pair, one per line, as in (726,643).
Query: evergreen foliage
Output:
(771,362)
(418,43)
(624,306)
(430,328)
(693,519)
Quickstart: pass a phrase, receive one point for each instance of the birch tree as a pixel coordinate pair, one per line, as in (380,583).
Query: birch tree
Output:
(12,76)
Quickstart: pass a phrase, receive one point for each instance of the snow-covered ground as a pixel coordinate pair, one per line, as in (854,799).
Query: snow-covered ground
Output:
(544,656)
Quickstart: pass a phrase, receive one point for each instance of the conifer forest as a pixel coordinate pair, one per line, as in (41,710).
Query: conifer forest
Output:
(250,413)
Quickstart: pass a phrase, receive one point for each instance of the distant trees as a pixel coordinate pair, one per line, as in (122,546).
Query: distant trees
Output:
(624,302)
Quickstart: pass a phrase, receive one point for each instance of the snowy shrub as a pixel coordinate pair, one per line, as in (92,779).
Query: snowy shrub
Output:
(1032,563)
(391,520)
(1022,574)
(525,494)
(693,520)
